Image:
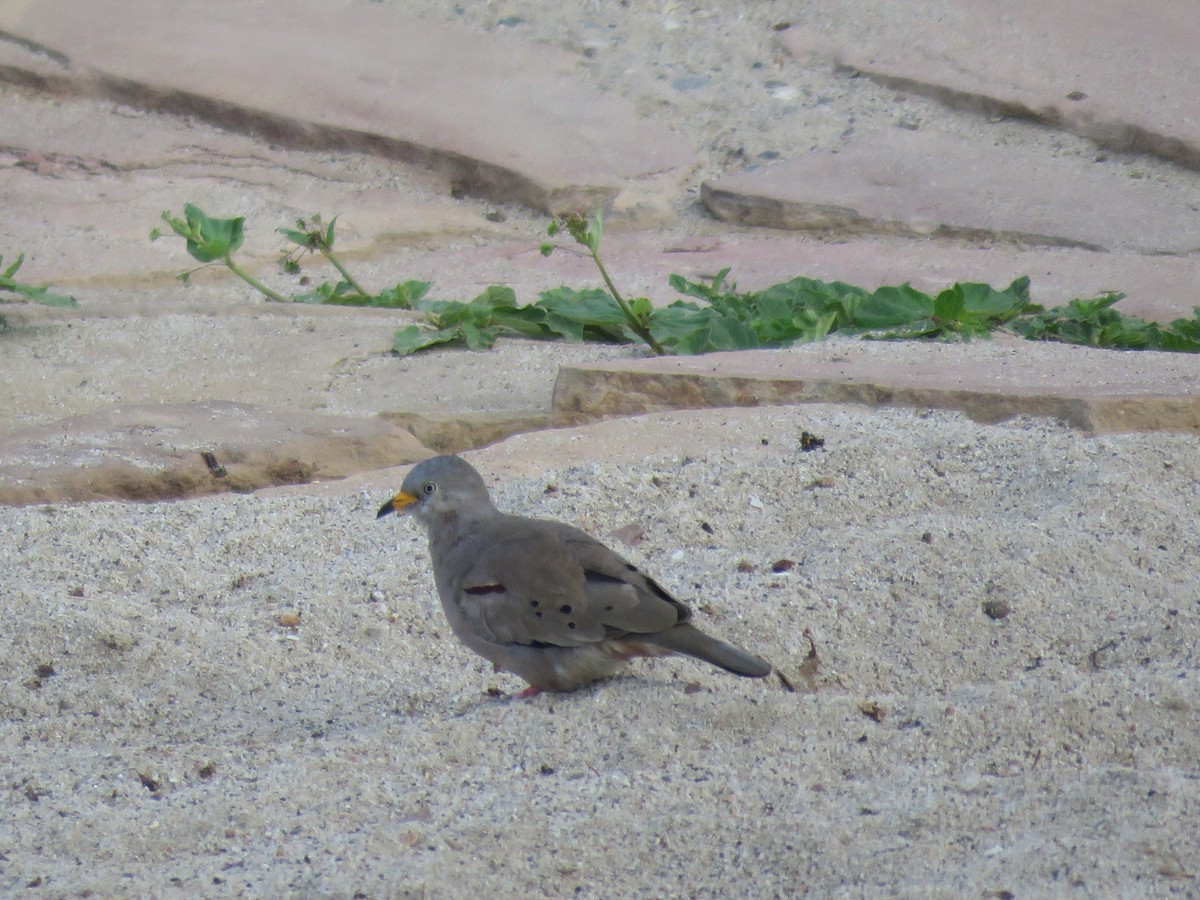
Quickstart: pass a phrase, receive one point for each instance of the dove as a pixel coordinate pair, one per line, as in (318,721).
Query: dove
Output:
(542,599)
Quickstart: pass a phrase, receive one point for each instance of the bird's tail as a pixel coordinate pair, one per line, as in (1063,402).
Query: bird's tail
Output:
(686,638)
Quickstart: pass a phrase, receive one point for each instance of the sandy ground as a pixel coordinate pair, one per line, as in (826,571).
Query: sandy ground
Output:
(165,735)
(1006,698)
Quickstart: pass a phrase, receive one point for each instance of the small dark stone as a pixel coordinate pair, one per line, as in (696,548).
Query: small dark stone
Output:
(996,607)
(215,467)
(810,442)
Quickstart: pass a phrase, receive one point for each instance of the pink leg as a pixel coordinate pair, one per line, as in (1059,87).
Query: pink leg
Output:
(531,691)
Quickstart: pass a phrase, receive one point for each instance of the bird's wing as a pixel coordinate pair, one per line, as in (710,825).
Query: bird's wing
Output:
(540,582)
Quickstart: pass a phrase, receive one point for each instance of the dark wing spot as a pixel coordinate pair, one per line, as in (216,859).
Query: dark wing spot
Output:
(571,625)
(608,609)
(658,590)
(631,567)
(534,604)
(565,609)
(477,589)
(601,578)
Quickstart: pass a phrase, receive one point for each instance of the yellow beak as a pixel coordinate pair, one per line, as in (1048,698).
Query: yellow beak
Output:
(396,504)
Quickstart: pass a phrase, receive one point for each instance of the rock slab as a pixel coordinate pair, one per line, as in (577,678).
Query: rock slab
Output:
(1093,390)
(1082,65)
(499,117)
(928,183)
(165,451)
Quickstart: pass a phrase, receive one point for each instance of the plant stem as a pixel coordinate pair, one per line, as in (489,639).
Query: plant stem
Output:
(337,264)
(252,281)
(638,328)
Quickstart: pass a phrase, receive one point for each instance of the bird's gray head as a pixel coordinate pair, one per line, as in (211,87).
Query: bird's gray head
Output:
(441,488)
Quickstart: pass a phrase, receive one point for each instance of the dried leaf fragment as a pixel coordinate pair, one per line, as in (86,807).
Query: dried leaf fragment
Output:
(872,710)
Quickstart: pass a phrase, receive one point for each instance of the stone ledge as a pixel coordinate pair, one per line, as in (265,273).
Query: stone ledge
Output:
(158,452)
(1092,390)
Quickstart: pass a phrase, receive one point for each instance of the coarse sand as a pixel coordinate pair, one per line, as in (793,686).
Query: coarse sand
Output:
(258,695)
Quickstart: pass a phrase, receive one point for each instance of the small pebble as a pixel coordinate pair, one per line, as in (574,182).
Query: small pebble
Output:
(996,607)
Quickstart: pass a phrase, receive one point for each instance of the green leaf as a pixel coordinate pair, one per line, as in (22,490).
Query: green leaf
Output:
(415,338)
(584,314)
(208,239)
(340,294)
(478,337)
(296,237)
(641,307)
(707,288)
(527,321)
(493,297)
(405,295)
(920,328)
(43,295)
(34,293)
(443,313)
(950,304)
(890,307)
(689,329)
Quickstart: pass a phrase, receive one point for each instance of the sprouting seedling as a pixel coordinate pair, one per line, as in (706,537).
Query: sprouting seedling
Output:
(587,235)
(211,240)
(27,292)
(310,236)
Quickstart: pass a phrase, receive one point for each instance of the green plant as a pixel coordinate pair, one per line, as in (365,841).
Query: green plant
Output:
(713,315)
(587,234)
(805,309)
(27,292)
(559,313)
(212,240)
(311,236)
(1095,323)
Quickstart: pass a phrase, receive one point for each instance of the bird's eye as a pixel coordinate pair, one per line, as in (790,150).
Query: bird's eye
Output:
(429,487)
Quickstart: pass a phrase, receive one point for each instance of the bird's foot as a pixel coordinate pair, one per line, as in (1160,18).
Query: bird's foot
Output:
(532,691)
